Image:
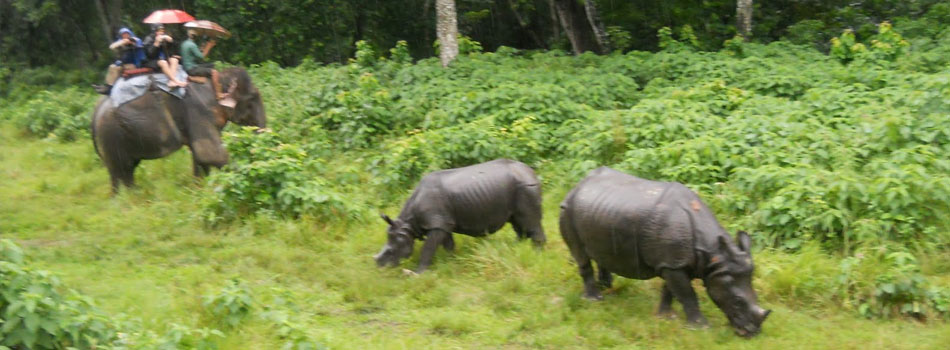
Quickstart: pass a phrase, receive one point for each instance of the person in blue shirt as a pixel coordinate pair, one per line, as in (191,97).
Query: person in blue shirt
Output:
(130,53)
(129,47)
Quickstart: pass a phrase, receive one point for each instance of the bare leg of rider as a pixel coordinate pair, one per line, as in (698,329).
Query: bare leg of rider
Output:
(172,81)
(217,85)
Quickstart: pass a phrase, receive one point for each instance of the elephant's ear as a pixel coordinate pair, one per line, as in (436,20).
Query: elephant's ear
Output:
(204,137)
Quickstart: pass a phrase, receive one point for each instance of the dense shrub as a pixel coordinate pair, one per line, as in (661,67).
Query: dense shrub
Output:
(36,314)
(266,174)
(232,305)
(64,114)
(789,142)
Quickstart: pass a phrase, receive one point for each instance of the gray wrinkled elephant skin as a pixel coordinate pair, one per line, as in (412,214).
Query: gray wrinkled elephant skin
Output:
(642,229)
(475,200)
(156,124)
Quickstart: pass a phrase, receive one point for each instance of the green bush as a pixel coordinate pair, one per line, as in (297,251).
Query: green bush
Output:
(232,305)
(807,32)
(886,46)
(267,175)
(63,115)
(37,315)
(280,310)
(38,312)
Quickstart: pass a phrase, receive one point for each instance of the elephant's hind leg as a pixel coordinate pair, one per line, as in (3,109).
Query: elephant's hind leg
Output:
(122,173)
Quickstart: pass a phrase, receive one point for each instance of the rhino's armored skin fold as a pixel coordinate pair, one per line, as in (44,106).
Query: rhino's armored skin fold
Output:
(642,229)
(476,200)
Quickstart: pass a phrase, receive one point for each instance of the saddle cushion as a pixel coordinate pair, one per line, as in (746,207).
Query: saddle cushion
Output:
(130,88)
(136,71)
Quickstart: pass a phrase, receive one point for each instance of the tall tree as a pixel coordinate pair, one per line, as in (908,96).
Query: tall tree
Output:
(524,24)
(447,29)
(597,26)
(744,18)
(573,18)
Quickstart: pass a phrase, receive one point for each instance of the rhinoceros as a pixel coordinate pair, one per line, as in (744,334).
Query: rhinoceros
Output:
(641,229)
(476,200)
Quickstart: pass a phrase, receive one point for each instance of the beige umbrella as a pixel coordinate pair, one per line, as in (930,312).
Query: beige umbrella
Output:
(208,28)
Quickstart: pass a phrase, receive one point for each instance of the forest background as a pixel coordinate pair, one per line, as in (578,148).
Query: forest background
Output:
(73,33)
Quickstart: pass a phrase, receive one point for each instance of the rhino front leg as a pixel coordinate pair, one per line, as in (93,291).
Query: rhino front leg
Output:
(434,239)
(677,282)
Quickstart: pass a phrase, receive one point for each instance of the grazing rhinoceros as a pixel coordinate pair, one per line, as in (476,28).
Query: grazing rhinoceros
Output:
(642,229)
(475,200)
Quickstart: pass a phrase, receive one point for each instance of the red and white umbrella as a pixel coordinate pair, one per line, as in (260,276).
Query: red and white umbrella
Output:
(208,28)
(168,16)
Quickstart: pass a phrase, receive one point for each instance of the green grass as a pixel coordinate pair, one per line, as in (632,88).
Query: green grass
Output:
(146,254)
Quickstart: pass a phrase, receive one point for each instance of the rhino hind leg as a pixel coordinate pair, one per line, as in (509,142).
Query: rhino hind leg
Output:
(448,243)
(678,283)
(604,277)
(584,264)
(666,303)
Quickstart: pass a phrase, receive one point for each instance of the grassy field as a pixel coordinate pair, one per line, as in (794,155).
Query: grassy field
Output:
(146,254)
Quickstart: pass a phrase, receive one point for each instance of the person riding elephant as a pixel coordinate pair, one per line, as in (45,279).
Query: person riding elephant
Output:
(158,50)
(192,59)
(130,54)
(156,124)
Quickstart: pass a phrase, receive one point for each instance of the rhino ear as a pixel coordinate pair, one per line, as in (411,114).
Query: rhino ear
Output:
(726,247)
(745,242)
(386,219)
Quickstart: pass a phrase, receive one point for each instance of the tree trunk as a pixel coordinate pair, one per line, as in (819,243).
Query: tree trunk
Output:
(555,22)
(447,30)
(573,24)
(744,18)
(104,19)
(115,15)
(597,26)
(524,25)
(425,14)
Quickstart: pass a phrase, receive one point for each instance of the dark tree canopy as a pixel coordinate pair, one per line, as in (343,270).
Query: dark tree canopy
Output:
(74,33)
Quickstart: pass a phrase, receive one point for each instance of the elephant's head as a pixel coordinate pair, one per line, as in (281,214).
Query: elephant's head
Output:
(249,110)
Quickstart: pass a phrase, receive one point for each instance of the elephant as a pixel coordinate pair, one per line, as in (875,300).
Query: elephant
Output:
(157,124)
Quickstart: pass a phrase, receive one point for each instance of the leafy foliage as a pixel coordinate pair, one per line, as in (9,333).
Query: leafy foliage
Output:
(232,305)
(266,174)
(36,315)
(63,115)
(886,46)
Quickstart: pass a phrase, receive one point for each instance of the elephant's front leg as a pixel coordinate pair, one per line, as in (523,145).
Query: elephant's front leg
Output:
(434,239)
(200,170)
